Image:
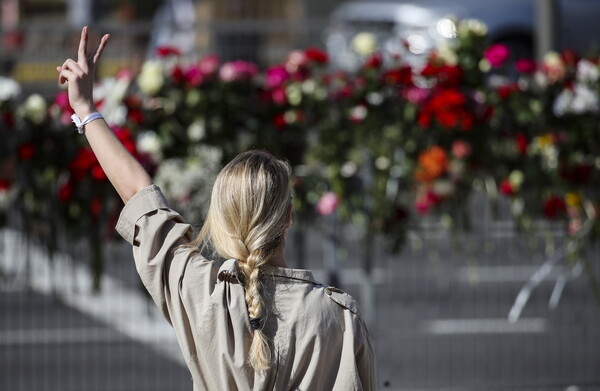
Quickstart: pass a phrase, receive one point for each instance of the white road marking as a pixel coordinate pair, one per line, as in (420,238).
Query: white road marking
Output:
(58,336)
(485,326)
(125,309)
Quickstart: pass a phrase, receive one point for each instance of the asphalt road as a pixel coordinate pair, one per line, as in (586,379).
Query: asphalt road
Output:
(439,324)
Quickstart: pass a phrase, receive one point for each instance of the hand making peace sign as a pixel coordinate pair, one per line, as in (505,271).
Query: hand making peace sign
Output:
(80,75)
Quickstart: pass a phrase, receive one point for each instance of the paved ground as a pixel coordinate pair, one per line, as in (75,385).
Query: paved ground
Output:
(440,324)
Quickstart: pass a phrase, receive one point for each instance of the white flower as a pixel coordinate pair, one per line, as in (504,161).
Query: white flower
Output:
(148,142)
(364,43)
(472,26)
(587,72)
(196,130)
(34,109)
(151,78)
(578,100)
(9,89)
(187,182)
(446,52)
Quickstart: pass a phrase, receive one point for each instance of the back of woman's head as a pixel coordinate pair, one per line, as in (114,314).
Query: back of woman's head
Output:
(249,213)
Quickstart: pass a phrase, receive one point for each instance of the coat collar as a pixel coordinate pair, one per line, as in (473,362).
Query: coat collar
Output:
(230,271)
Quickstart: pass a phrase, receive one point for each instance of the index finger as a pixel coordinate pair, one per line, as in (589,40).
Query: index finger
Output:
(81,53)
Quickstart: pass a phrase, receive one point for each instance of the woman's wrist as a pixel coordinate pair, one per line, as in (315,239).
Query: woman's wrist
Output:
(84,110)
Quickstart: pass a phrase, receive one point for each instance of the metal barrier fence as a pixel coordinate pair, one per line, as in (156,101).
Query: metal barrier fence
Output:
(438,318)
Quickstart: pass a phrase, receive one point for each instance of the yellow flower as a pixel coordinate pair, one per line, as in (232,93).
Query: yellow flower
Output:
(573,199)
(544,140)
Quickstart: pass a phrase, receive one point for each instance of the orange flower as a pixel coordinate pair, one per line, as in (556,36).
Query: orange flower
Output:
(433,162)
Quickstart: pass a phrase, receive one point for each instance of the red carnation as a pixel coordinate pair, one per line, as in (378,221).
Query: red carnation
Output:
(554,207)
(279,121)
(521,143)
(5,185)
(165,51)
(373,62)
(26,151)
(83,163)
(65,192)
(95,208)
(401,75)
(526,66)
(316,55)
(507,188)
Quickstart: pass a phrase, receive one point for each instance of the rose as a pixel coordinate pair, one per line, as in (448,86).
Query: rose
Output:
(461,149)
(275,76)
(151,78)
(34,109)
(316,55)
(167,51)
(209,65)
(554,207)
(237,71)
(364,43)
(526,66)
(496,55)
(328,203)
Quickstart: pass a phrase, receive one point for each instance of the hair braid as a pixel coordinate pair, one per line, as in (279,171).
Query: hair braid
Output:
(260,352)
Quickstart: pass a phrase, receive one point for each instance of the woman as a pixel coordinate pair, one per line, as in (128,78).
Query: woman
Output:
(252,323)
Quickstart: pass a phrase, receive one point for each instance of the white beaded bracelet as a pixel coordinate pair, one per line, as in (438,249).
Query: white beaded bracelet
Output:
(88,118)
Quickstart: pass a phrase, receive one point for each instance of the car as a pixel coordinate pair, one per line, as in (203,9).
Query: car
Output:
(411,29)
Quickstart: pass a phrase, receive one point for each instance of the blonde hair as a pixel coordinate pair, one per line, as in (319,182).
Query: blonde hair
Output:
(247,219)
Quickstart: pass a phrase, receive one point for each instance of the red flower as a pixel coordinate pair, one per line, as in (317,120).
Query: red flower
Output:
(424,203)
(397,76)
(5,185)
(135,116)
(449,108)
(507,188)
(209,64)
(446,75)
(316,55)
(166,51)
(521,143)
(9,120)
(65,192)
(126,138)
(506,90)
(26,151)
(373,62)
(554,207)
(98,173)
(526,66)
(95,208)
(279,121)
(82,164)
(177,75)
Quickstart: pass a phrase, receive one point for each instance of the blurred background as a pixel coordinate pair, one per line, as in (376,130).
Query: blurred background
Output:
(446,160)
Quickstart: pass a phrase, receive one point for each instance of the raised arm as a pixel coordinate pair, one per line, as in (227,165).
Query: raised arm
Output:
(123,170)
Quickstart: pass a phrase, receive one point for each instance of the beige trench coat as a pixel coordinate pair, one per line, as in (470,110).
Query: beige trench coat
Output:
(319,340)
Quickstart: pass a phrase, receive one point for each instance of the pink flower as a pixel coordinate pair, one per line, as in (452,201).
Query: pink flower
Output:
(237,71)
(194,76)
(278,96)
(276,76)
(209,64)
(526,65)
(461,149)
(416,95)
(328,203)
(497,55)
(295,61)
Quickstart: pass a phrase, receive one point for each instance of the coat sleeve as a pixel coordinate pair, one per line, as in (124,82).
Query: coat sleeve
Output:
(168,272)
